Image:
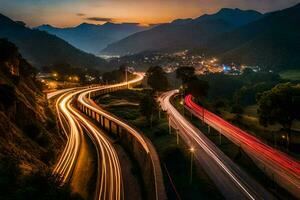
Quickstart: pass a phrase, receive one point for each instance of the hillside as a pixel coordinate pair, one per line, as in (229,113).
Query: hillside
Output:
(271,42)
(93,38)
(183,33)
(41,49)
(29,140)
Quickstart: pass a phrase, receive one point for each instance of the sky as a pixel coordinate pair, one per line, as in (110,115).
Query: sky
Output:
(65,13)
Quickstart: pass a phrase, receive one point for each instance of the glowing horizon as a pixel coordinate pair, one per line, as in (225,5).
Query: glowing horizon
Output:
(66,13)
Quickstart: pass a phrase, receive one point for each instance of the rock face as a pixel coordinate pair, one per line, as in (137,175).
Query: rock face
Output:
(27,126)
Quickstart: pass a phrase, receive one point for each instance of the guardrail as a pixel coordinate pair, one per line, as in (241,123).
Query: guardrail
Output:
(138,146)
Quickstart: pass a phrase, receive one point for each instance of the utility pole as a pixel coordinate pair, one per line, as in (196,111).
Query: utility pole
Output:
(203,115)
(126,77)
(170,130)
(220,136)
(177,136)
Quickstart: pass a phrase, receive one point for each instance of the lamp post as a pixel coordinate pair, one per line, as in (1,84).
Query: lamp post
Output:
(192,150)
(126,77)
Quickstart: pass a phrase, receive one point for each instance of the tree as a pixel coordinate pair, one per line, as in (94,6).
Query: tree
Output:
(8,51)
(185,73)
(198,88)
(148,107)
(117,75)
(280,105)
(7,96)
(157,79)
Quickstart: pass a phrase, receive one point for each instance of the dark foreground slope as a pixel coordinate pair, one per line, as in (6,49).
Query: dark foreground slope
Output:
(29,141)
(42,49)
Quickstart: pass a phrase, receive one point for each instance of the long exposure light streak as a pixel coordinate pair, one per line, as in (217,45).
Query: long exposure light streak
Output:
(245,186)
(286,169)
(109,182)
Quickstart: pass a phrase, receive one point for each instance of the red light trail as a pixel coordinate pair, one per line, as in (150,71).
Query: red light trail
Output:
(287,168)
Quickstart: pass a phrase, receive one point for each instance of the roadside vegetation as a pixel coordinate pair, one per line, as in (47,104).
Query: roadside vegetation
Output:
(139,108)
(240,100)
(235,153)
(293,75)
(175,159)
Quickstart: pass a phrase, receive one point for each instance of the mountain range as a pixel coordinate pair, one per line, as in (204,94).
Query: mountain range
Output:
(247,37)
(183,33)
(42,49)
(272,41)
(93,38)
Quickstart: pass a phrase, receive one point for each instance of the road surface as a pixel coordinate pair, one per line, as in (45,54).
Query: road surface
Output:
(232,182)
(74,124)
(281,167)
(85,101)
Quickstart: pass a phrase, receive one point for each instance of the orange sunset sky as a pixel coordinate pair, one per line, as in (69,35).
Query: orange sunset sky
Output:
(64,13)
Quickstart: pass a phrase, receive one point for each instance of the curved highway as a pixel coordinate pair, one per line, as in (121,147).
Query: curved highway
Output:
(284,169)
(85,102)
(74,124)
(228,177)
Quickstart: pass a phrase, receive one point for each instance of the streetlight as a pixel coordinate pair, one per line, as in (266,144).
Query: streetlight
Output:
(192,150)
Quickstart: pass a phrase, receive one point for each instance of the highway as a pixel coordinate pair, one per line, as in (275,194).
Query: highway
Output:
(74,124)
(232,182)
(84,100)
(278,165)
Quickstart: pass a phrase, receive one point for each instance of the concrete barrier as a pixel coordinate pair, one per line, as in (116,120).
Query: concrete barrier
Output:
(140,148)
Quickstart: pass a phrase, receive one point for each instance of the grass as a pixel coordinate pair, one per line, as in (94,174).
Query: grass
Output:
(293,75)
(175,159)
(238,156)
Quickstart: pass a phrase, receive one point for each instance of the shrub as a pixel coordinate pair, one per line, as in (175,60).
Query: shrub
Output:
(32,131)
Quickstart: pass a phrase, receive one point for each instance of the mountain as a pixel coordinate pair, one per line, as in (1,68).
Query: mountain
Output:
(93,38)
(236,17)
(272,41)
(183,33)
(42,49)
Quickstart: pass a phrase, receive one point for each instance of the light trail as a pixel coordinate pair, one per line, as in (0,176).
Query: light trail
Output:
(83,99)
(286,168)
(109,181)
(110,175)
(89,104)
(232,182)
(66,163)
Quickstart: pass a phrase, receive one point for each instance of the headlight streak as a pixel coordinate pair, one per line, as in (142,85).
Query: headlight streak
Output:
(85,102)
(190,132)
(109,184)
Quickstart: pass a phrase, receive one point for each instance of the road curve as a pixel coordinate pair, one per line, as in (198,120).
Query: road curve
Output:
(84,101)
(276,163)
(74,124)
(228,177)
(109,182)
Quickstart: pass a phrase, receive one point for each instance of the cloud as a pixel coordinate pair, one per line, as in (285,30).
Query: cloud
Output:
(80,14)
(99,19)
